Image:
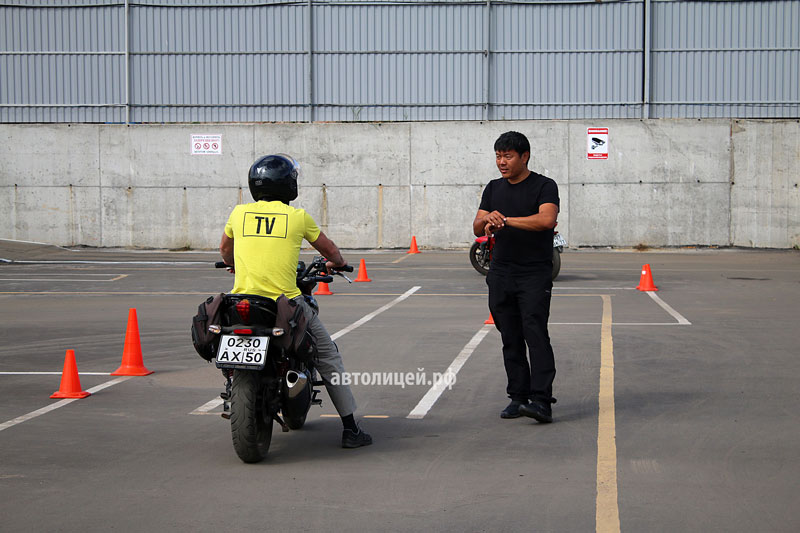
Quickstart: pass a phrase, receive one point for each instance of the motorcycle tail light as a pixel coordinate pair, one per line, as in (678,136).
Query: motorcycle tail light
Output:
(243,331)
(243,308)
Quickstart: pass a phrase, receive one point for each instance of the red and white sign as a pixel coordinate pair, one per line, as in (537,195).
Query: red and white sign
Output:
(205,144)
(597,143)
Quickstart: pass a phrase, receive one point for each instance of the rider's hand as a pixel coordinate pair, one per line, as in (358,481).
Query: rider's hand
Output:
(330,266)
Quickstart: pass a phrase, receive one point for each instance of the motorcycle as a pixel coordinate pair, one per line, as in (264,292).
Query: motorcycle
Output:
(480,253)
(265,383)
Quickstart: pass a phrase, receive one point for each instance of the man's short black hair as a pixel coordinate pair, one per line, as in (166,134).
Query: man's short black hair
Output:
(512,140)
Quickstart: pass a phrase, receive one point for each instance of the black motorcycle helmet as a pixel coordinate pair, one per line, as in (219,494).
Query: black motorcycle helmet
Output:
(274,177)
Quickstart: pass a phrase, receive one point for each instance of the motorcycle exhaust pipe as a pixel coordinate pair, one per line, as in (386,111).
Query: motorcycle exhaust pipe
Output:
(295,382)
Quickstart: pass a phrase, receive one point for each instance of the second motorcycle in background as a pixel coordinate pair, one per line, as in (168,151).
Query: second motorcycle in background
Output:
(480,253)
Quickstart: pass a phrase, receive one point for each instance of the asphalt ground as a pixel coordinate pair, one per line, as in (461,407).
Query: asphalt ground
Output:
(677,410)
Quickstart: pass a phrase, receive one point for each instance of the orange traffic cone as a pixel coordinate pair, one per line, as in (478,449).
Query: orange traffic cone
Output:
(646,281)
(362,272)
(323,289)
(413,249)
(489,320)
(132,364)
(70,382)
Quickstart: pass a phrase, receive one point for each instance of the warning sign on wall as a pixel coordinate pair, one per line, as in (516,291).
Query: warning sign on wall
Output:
(597,143)
(205,144)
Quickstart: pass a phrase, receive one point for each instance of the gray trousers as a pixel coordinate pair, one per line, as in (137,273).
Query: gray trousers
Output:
(329,362)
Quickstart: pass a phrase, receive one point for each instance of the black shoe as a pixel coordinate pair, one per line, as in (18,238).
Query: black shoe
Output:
(351,439)
(512,410)
(539,410)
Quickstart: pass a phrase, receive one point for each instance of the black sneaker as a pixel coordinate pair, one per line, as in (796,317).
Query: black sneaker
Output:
(351,439)
(512,410)
(539,410)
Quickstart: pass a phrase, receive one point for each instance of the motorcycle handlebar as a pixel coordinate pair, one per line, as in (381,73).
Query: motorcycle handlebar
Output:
(316,278)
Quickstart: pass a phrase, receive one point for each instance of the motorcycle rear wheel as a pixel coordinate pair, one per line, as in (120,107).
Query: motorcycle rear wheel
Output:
(251,432)
(556,263)
(481,263)
(479,260)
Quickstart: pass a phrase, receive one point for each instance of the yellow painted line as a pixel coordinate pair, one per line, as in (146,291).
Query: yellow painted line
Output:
(206,293)
(402,258)
(363,416)
(111,293)
(76,272)
(415,268)
(607,506)
(68,280)
(482,294)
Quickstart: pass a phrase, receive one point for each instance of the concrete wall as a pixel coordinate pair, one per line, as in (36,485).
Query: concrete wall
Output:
(665,183)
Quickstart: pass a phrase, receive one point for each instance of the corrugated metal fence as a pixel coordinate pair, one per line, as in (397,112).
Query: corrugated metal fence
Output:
(394,60)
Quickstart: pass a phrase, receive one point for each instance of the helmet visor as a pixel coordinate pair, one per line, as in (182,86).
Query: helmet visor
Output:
(293,161)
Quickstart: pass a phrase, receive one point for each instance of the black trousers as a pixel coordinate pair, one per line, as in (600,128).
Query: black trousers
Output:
(520,306)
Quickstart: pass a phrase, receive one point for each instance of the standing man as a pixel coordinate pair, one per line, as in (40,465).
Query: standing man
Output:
(262,242)
(521,209)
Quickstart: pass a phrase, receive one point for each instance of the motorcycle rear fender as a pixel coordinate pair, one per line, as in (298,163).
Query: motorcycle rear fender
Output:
(482,239)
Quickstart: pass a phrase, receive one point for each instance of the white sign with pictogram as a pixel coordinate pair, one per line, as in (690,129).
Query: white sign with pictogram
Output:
(206,144)
(597,143)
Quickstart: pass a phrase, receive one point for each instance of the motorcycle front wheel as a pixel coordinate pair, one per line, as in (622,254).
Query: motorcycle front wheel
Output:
(250,430)
(479,258)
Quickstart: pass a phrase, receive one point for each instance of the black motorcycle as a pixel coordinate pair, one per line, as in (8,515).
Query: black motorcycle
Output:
(267,378)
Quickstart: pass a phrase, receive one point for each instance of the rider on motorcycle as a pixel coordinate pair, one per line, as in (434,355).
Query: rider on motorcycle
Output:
(262,241)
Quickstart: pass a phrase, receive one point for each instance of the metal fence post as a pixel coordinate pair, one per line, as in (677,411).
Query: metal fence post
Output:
(310,60)
(646,66)
(127,64)
(487,24)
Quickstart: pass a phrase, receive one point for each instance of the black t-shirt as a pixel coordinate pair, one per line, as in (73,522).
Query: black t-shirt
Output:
(516,249)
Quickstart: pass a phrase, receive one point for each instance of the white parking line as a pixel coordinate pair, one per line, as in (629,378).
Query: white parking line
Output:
(117,278)
(208,406)
(52,373)
(436,390)
(32,262)
(60,403)
(676,315)
(375,313)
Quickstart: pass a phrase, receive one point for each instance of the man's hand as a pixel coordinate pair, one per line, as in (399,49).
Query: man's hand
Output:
(496,219)
(330,266)
(490,230)
(487,222)
(330,251)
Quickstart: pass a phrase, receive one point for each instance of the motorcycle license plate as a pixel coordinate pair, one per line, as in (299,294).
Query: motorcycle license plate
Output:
(237,351)
(558,240)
